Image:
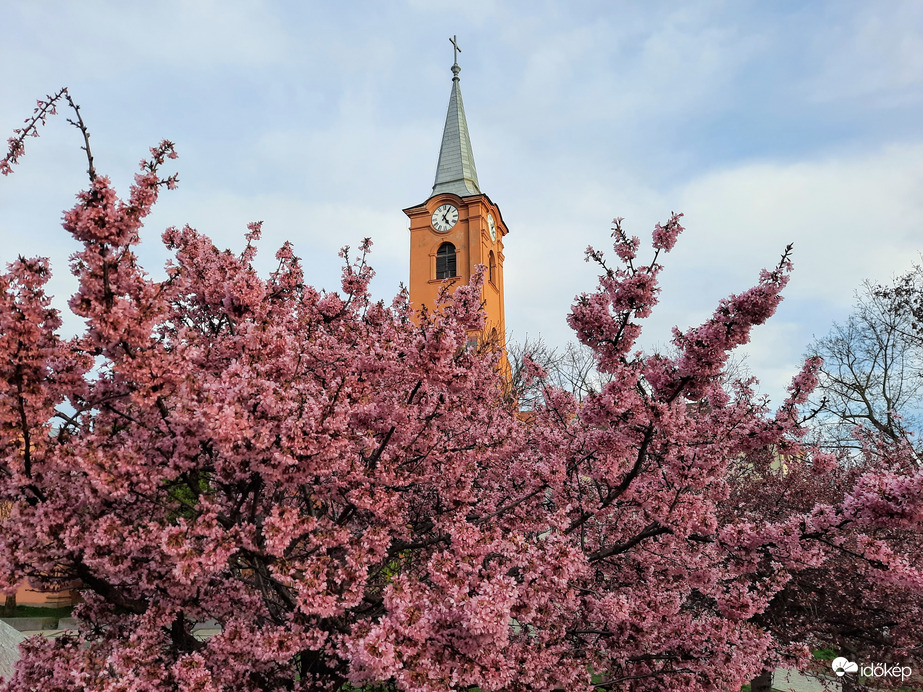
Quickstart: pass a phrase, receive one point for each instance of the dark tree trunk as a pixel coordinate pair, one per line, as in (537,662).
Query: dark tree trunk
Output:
(9,606)
(762,682)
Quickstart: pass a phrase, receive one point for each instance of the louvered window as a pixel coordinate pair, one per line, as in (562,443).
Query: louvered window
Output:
(445,261)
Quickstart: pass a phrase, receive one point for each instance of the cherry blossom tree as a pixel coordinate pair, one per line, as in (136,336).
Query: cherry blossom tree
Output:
(346,491)
(862,599)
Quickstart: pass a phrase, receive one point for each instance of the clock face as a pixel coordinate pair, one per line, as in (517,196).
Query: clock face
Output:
(445,217)
(492,226)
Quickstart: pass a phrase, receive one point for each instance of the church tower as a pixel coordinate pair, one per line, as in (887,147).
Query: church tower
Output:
(458,227)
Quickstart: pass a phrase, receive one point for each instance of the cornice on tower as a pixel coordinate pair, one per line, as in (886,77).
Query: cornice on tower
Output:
(456,172)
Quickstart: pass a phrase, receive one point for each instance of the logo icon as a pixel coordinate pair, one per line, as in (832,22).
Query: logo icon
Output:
(842,665)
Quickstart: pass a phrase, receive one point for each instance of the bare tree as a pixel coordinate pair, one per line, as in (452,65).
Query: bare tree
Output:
(572,368)
(873,367)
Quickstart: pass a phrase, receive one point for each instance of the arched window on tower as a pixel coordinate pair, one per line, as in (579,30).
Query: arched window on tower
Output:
(492,268)
(445,261)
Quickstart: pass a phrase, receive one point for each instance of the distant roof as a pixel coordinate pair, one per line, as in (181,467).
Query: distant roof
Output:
(456,171)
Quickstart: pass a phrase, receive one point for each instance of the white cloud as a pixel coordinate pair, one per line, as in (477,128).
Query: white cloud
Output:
(851,217)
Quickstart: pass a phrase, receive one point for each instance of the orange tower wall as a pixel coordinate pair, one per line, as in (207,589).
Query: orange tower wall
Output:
(473,244)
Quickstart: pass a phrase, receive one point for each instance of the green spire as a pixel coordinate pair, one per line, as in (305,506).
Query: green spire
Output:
(456,171)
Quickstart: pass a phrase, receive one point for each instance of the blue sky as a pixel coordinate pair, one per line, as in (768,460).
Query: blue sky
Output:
(766,123)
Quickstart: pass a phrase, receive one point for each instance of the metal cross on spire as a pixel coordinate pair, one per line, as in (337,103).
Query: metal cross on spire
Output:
(455,51)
